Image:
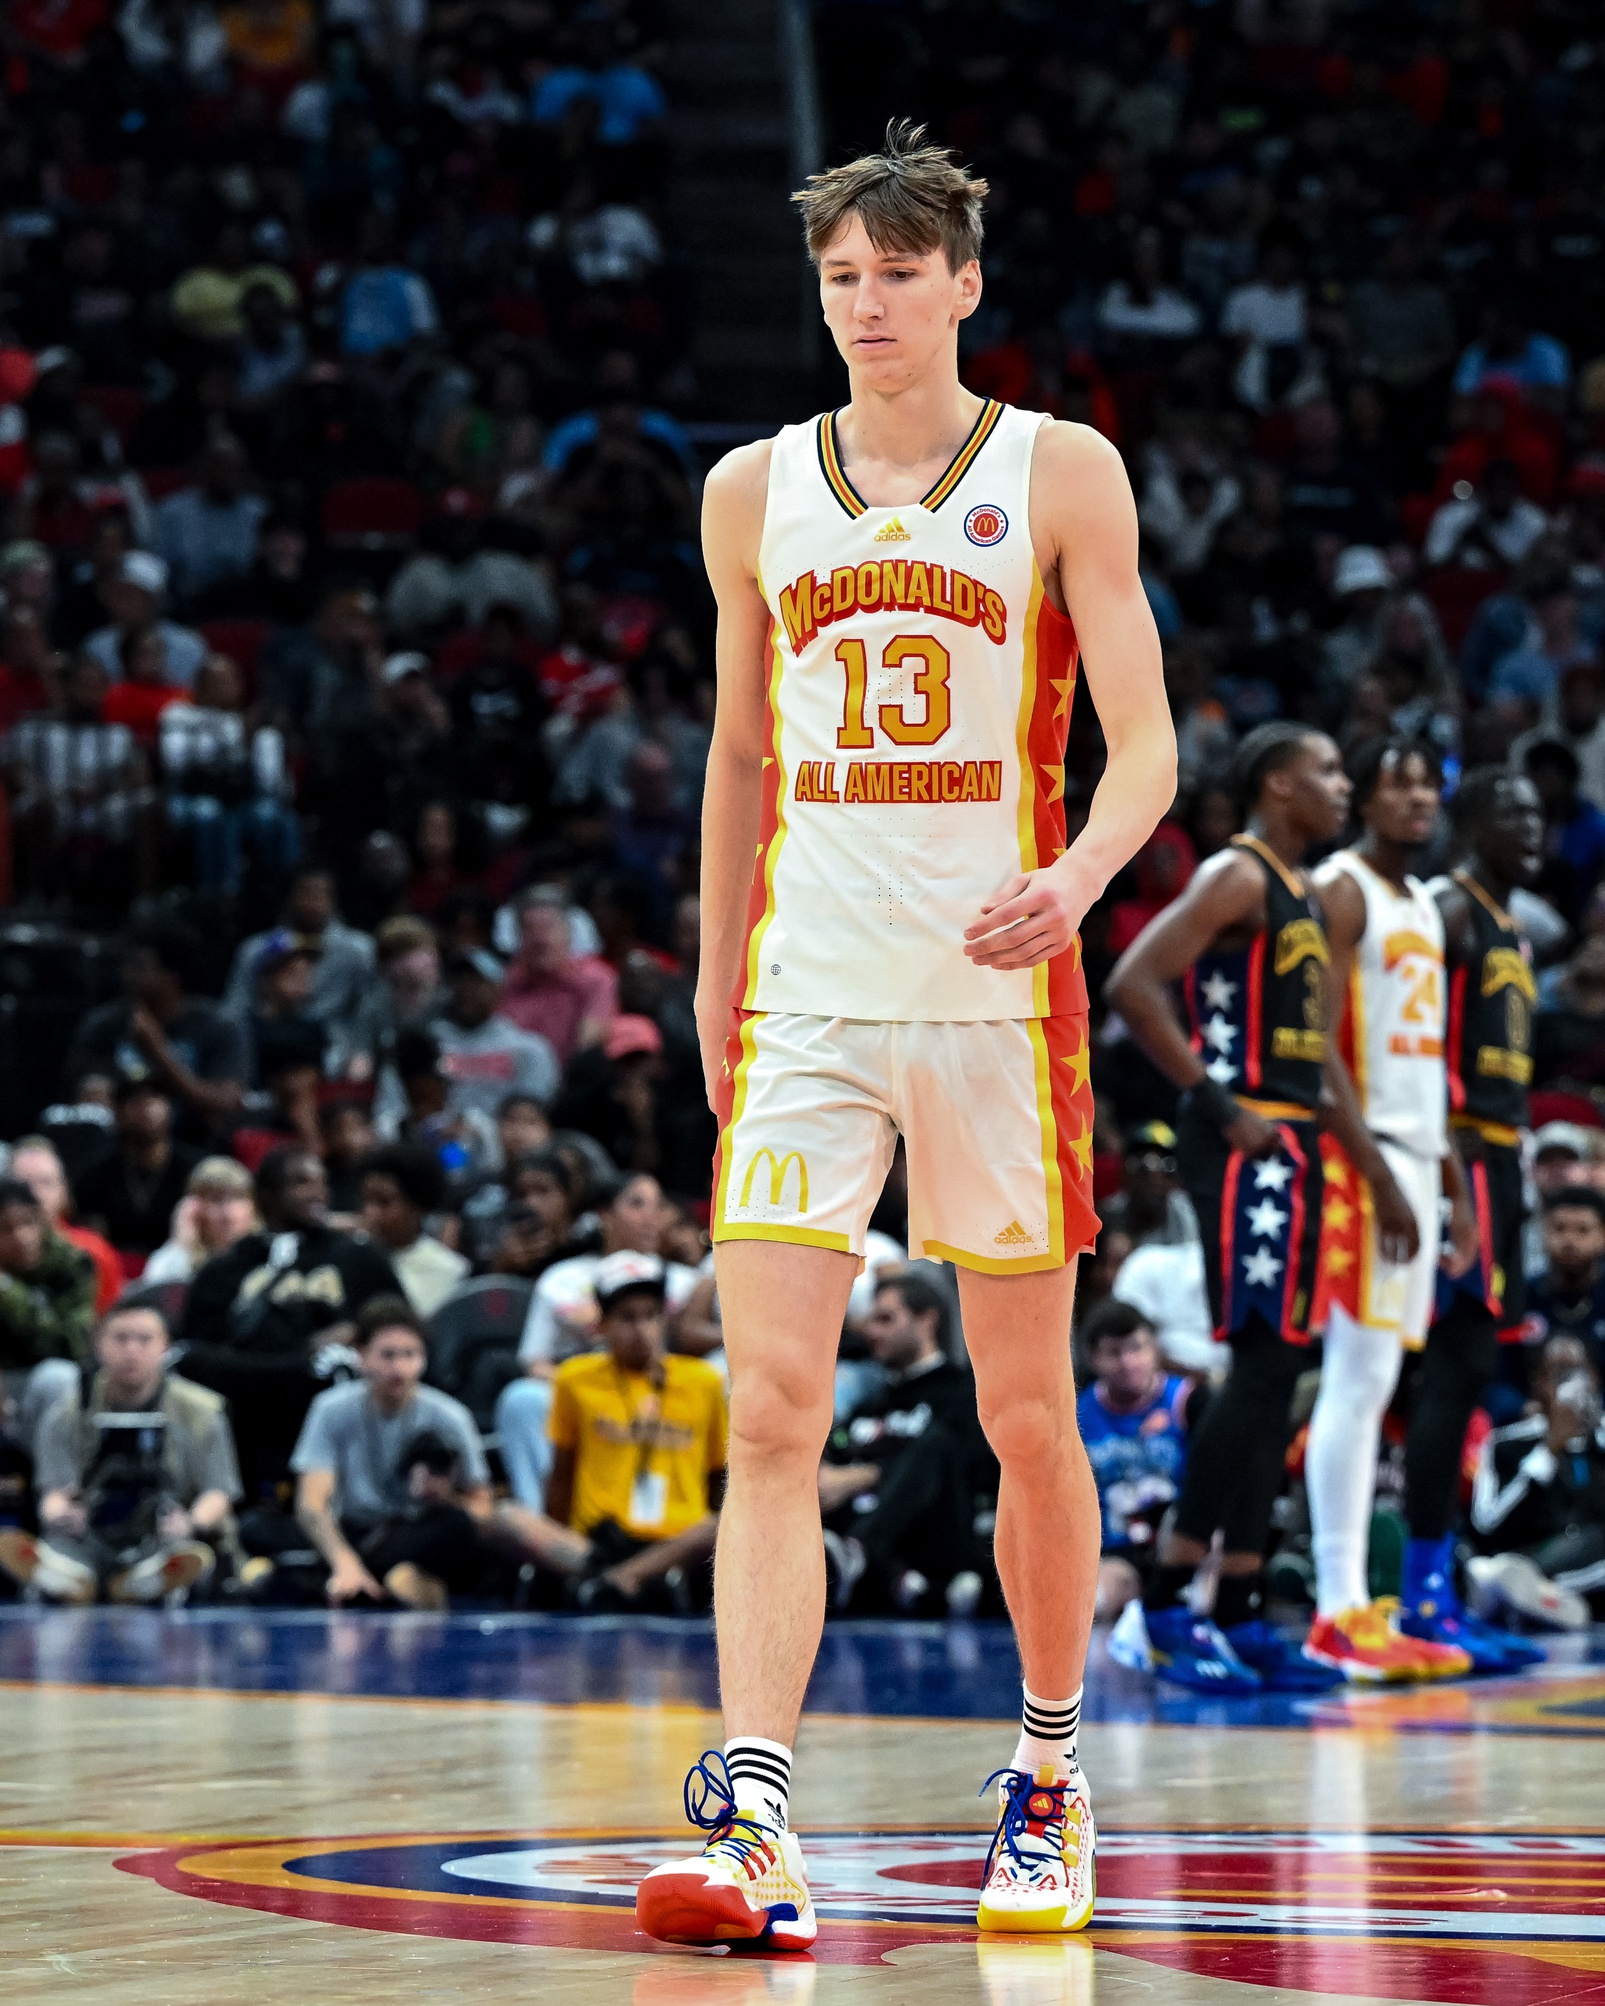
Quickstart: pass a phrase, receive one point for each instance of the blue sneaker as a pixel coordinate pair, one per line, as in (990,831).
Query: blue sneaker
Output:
(1282,1666)
(1187,1650)
(1490,1650)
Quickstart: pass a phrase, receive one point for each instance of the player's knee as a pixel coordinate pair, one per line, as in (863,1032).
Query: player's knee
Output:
(775,1420)
(1026,1428)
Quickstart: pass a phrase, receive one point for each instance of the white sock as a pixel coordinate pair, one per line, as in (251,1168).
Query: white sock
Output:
(760,1776)
(1048,1735)
(1359,1370)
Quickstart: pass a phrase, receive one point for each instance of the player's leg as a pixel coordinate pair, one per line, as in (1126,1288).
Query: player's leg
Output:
(1460,1358)
(997,1120)
(805,1144)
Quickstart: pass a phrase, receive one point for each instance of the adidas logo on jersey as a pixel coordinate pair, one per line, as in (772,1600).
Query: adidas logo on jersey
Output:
(893,532)
(1014,1235)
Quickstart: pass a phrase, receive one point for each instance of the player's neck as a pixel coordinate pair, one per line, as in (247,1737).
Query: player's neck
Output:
(1498,888)
(1389,860)
(1279,833)
(898,442)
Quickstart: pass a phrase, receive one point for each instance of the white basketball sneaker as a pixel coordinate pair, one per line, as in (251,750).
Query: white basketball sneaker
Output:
(747,1885)
(1041,1874)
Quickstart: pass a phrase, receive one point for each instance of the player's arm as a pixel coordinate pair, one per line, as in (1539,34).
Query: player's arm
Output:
(732,531)
(1398,1231)
(1464,1243)
(1082,511)
(1226,894)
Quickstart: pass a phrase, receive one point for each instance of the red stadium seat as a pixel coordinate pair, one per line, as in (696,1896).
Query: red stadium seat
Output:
(118,405)
(372,514)
(1456,591)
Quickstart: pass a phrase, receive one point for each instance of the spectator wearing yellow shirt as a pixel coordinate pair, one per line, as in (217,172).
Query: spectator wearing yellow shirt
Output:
(639,1438)
(206,303)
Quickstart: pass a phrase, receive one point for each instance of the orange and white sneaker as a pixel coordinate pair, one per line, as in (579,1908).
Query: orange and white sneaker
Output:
(747,1885)
(1366,1645)
(1041,1874)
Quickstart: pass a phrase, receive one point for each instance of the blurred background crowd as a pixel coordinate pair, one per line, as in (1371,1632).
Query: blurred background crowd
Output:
(355,654)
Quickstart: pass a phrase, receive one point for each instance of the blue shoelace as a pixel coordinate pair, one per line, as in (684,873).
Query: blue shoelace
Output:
(710,1805)
(1019,1785)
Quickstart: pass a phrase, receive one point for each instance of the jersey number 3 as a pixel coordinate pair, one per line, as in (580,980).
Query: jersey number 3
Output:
(930,682)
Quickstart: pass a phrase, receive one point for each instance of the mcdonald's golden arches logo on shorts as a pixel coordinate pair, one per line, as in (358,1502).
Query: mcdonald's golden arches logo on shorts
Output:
(778,1166)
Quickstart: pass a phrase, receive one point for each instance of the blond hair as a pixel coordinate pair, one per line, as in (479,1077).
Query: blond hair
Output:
(911,197)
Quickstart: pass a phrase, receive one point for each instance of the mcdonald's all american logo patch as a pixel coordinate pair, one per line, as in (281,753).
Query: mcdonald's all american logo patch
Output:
(986,523)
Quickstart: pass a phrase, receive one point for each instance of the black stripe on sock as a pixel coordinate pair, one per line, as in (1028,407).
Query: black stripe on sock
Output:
(1049,1726)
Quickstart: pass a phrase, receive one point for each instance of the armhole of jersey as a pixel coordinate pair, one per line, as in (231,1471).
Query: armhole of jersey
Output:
(1044,420)
(759,566)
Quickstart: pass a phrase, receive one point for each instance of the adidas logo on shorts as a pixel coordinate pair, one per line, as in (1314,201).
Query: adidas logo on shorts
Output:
(1014,1235)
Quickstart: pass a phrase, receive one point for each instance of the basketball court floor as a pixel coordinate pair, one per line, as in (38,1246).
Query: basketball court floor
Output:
(318,1809)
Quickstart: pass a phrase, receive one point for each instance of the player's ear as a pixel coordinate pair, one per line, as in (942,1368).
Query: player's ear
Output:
(969,290)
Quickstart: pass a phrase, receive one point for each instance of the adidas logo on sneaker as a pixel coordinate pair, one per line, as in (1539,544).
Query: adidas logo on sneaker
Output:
(1014,1235)
(892,532)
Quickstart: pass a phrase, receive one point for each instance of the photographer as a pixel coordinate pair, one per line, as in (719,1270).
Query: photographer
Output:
(135,1474)
(392,1486)
(1538,1502)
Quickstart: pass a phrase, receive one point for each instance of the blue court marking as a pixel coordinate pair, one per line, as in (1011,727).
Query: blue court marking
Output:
(946,1671)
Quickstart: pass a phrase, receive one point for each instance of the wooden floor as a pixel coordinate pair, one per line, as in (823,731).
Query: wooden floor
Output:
(227,1809)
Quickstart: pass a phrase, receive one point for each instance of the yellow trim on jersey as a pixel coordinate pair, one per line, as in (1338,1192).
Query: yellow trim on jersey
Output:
(1277,1110)
(755,944)
(1468,883)
(1051,1173)
(988,1264)
(1263,850)
(795,1236)
(1357,1019)
(964,459)
(834,468)
(1497,1132)
(1026,820)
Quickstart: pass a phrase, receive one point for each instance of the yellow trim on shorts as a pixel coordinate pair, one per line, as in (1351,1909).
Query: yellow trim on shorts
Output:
(795,1236)
(1276,1110)
(988,1264)
(1049,1131)
(1496,1132)
(738,1104)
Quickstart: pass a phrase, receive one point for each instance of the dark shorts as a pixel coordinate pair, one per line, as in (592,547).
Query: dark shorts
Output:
(1260,1218)
(1495,1278)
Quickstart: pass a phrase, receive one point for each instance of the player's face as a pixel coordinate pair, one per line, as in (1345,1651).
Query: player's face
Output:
(1322,790)
(891,313)
(1511,834)
(1404,802)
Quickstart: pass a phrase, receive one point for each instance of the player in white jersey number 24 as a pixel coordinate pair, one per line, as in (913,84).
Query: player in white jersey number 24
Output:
(890,910)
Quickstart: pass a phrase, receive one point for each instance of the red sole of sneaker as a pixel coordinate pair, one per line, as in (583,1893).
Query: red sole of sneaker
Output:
(684,1908)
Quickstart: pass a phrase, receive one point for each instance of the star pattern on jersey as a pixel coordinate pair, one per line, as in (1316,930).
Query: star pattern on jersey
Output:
(1338,1260)
(1272,1175)
(1064,688)
(1217,992)
(1218,1034)
(1080,1064)
(1081,1149)
(1261,1268)
(1337,1214)
(1266,1219)
(1337,1174)
(1054,775)
(1222,1071)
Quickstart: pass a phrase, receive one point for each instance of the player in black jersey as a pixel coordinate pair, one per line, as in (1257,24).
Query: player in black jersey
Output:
(1492,998)
(1247,939)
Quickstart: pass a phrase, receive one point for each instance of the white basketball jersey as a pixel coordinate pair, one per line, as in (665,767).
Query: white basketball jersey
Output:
(1392,1033)
(919,689)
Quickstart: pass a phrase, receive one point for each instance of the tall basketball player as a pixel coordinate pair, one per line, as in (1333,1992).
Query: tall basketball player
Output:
(1386,937)
(903,586)
(1492,996)
(1255,1065)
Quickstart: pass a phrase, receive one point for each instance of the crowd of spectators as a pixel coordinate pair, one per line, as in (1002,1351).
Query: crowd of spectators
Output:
(355,691)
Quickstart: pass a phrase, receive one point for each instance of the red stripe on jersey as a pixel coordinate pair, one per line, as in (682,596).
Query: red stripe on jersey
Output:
(1256,984)
(1069,1073)
(771,829)
(1457,1020)
(1057,654)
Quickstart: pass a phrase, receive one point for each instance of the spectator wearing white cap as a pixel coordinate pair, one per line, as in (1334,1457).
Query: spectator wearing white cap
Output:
(135,598)
(1361,582)
(563,1321)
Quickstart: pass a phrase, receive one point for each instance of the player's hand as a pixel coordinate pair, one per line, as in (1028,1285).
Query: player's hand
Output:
(1252,1135)
(1398,1234)
(1030,919)
(1464,1245)
(713,1031)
